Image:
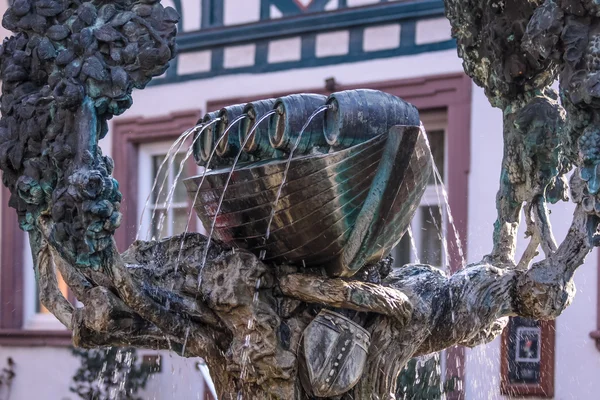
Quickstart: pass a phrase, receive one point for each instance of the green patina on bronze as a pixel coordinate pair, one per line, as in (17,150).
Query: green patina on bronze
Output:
(69,68)
(342,201)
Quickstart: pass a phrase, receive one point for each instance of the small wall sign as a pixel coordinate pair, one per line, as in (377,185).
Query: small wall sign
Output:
(527,365)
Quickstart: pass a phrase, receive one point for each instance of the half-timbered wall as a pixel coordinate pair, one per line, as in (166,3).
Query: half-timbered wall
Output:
(219,37)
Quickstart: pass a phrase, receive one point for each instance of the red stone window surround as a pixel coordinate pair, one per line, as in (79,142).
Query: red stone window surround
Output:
(128,135)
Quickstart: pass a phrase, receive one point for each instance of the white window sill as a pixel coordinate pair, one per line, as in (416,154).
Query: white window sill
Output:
(43,322)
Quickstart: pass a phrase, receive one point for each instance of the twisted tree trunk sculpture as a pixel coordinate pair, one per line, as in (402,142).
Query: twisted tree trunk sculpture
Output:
(73,64)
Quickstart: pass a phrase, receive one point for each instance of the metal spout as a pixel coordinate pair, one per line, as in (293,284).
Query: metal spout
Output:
(258,145)
(292,113)
(358,115)
(203,145)
(229,146)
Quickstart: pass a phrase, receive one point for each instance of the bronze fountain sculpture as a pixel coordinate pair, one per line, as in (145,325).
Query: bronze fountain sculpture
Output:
(73,64)
(337,184)
(342,201)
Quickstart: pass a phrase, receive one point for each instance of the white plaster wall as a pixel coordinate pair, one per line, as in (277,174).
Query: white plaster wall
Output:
(577,360)
(40,373)
(46,373)
(195,94)
(381,37)
(236,12)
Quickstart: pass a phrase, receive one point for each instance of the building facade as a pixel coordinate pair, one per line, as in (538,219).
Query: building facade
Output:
(232,51)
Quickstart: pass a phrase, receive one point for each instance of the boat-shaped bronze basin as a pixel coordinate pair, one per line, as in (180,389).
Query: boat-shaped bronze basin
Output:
(345,202)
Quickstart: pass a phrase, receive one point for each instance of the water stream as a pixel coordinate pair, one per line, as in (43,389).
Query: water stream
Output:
(442,234)
(206,170)
(250,326)
(170,158)
(118,377)
(101,378)
(446,202)
(214,221)
(169,199)
(413,244)
(187,334)
(438,180)
(287,166)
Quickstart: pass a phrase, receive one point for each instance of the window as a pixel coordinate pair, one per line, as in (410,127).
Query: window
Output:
(36,316)
(62,285)
(168,210)
(425,242)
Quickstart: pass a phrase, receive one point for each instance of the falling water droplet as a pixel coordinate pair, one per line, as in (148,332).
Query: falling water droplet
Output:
(413,244)
(256,291)
(187,334)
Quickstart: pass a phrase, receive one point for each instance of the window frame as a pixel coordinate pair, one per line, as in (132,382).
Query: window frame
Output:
(145,167)
(433,121)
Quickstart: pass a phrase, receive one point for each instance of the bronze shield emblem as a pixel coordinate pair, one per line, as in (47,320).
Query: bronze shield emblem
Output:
(335,351)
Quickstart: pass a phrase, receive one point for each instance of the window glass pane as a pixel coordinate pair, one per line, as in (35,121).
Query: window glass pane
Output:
(156,198)
(401,252)
(160,216)
(175,219)
(180,195)
(436,141)
(431,243)
(62,285)
(180,219)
